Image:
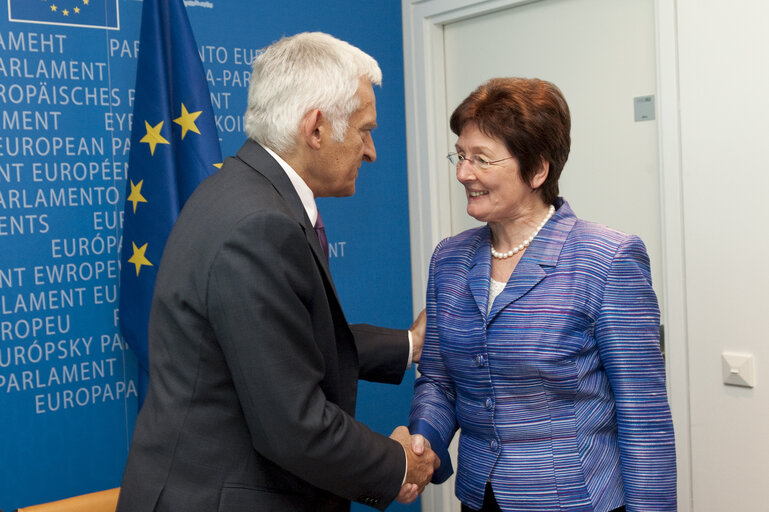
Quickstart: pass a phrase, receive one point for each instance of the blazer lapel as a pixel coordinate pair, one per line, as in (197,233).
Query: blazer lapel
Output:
(527,275)
(480,271)
(255,156)
(539,259)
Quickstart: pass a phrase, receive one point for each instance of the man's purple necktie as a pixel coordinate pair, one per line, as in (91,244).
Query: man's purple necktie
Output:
(320,229)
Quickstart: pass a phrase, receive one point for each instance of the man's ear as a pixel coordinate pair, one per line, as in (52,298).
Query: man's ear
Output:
(311,127)
(540,176)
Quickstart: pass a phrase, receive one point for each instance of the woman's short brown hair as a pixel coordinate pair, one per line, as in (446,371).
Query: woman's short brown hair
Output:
(530,116)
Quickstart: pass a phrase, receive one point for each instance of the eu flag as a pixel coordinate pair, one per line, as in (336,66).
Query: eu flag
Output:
(78,13)
(174,146)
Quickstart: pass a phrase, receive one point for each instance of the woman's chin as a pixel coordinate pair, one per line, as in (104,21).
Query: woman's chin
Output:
(476,213)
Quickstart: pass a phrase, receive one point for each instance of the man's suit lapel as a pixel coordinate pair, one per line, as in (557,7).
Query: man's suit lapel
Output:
(539,259)
(255,156)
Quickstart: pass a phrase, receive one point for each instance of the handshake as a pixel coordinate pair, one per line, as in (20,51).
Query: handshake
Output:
(421,460)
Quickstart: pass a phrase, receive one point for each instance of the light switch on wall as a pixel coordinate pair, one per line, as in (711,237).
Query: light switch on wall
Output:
(738,370)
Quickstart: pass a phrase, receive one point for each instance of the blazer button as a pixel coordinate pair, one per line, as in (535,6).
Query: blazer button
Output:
(489,403)
(494,445)
(480,360)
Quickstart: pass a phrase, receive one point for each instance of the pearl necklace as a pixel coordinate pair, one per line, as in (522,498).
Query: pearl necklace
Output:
(525,243)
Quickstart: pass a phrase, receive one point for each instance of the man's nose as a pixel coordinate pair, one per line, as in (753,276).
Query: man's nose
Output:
(369,151)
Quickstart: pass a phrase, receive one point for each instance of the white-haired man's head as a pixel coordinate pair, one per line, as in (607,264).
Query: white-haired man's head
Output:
(307,71)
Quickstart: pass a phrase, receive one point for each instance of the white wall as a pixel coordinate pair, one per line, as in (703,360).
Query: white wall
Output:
(724,114)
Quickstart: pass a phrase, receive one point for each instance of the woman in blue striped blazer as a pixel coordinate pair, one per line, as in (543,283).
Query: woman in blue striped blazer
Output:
(542,340)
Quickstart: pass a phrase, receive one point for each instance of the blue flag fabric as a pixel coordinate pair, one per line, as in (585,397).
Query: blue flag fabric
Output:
(79,13)
(174,146)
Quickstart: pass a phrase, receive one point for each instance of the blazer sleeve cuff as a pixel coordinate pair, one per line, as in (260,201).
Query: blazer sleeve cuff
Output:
(383,353)
(440,448)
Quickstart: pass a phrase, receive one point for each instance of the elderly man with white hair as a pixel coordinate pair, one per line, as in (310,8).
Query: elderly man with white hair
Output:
(253,366)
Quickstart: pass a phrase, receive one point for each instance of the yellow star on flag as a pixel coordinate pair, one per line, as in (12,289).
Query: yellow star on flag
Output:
(153,137)
(219,165)
(138,258)
(136,194)
(65,12)
(53,8)
(187,121)
(85,2)
(77,10)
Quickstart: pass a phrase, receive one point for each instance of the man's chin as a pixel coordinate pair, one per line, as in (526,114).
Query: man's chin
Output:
(346,192)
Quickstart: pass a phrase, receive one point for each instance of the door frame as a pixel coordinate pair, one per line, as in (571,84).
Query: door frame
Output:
(429,186)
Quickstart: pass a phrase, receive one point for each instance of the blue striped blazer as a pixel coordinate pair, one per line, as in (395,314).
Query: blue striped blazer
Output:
(559,391)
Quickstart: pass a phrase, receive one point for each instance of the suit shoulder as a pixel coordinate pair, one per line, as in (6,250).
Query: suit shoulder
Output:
(465,242)
(587,231)
(232,193)
(234,184)
(600,243)
(235,202)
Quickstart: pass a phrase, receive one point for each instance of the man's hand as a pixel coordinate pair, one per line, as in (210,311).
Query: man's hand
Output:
(421,463)
(418,336)
(407,494)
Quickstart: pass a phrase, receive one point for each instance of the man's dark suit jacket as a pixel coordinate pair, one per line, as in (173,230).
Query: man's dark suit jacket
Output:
(253,367)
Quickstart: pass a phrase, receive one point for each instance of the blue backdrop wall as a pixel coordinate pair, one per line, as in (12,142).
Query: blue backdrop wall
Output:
(68,394)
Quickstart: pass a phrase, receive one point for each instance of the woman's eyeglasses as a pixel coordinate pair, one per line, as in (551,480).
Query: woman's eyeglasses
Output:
(478,162)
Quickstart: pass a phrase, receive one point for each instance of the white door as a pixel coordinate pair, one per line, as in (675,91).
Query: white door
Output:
(601,54)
